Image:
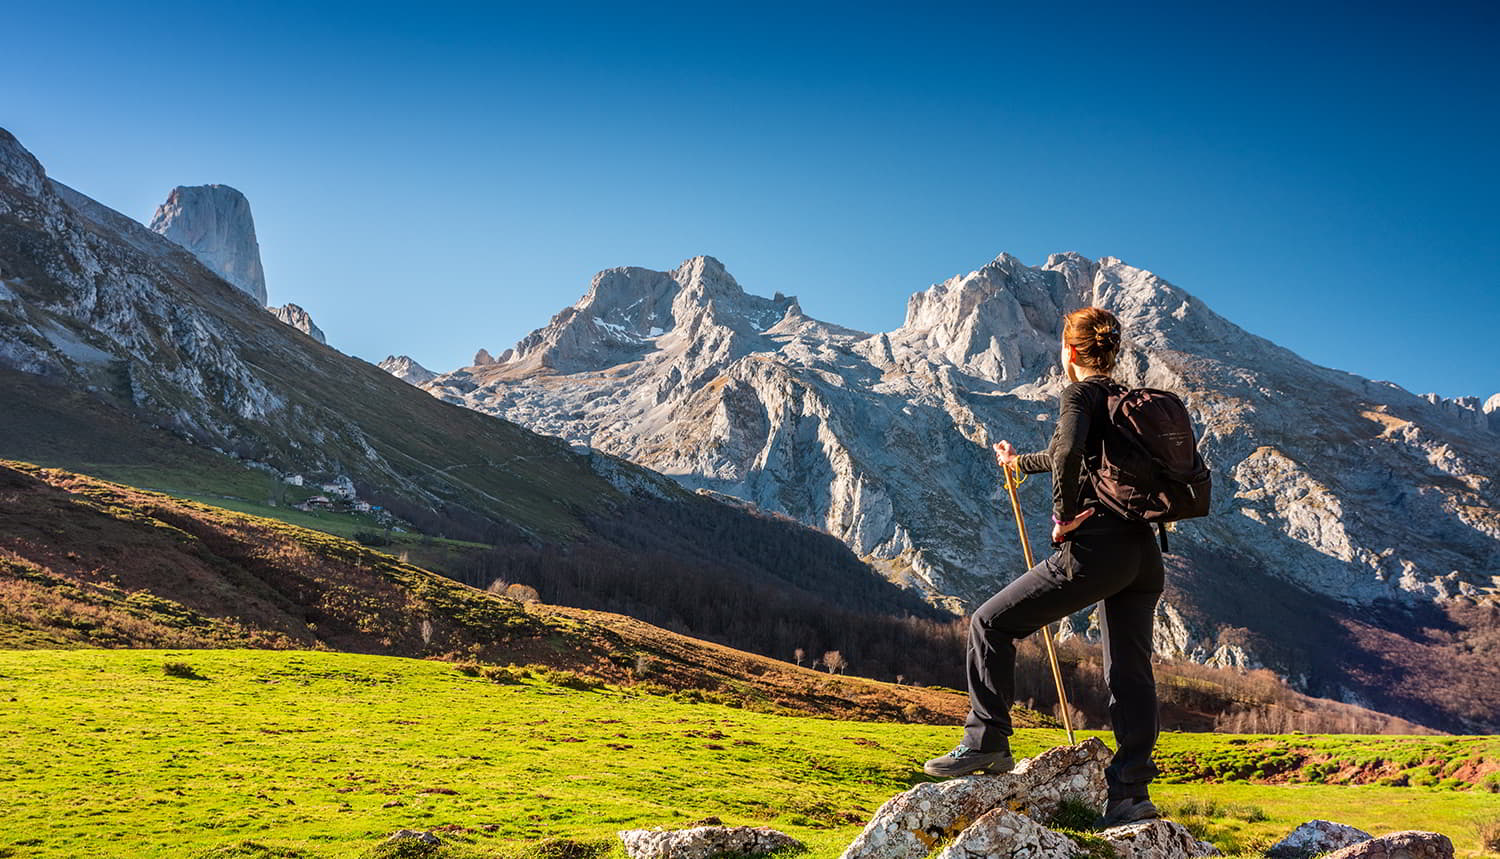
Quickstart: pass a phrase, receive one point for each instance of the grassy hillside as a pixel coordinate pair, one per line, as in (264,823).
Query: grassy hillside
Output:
(84,562)
(317,754)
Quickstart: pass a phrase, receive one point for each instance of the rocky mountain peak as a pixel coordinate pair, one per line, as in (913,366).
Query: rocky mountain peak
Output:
(214,222)
(631,295)
(299,319)
(631,311)
(706,276)
(19,167)
(406,369)
(1077,271)
(1000,322)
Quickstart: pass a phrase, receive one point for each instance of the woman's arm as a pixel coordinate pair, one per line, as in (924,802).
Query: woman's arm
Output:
(1067,452)
(1035,463)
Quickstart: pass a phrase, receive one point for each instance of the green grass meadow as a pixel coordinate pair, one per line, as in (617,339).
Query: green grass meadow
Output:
(319,754)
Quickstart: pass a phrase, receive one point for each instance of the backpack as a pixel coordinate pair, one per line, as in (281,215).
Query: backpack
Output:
(1149,468)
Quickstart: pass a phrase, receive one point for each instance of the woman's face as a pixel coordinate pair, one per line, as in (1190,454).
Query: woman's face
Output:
(1067,364)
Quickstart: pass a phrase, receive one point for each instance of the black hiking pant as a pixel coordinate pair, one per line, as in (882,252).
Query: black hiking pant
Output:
(1123,568)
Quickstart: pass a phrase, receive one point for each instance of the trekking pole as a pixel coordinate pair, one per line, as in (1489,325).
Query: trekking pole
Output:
(1013,479)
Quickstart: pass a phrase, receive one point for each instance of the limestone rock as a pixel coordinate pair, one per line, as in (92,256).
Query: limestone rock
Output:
(19,167)
(700,842)
(910,823)
(407,370)
(298,318)
(213,221)
(1156,839)
(1411,844)
(1002,816)
(1004,834)
(1314,837)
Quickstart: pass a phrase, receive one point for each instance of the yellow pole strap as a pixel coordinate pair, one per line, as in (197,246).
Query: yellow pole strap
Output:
(1013,479)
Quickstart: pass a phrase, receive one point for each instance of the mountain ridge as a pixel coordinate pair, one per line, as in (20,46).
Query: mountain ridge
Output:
(950,327)
(1329,485)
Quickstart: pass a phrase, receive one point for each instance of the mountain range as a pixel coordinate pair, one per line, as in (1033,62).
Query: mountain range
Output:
(1349,515)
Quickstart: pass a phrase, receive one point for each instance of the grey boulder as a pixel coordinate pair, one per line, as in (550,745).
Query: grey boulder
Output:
(700,842)
(1314,837)
(1411,844)
(1156,839)
(1001,832)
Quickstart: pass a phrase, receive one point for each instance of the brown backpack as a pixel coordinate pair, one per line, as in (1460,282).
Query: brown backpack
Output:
(1149,468)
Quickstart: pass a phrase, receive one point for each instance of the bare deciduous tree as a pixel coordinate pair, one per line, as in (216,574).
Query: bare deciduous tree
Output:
(834,661)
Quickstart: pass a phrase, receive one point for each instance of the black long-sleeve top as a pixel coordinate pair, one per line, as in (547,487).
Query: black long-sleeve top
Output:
(1078,434)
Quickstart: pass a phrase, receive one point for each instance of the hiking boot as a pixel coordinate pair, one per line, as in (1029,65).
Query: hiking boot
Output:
(964,760)
(1127,809)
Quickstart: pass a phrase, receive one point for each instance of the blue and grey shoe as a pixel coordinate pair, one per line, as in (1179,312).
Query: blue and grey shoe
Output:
(965,761)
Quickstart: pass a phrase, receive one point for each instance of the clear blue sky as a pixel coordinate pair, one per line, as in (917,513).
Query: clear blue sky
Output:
(440,177)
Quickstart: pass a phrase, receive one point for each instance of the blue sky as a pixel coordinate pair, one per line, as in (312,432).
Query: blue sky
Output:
(440,177)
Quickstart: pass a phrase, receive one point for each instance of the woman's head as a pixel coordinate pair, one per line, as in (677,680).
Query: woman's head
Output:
(1091,339)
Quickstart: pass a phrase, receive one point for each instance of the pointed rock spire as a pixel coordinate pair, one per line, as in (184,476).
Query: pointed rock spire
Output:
(214,222)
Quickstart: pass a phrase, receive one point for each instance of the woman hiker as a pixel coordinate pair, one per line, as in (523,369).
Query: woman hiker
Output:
(1099,556)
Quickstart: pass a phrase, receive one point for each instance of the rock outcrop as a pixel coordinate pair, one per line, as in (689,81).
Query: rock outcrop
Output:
(213,221)
(1315,837)
(99,304)
(1006,815)
(1156,839)
(296,317)
(1001,832)
(701,842)
(407,370)
(417,836)
(1412,844)
(910,824)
